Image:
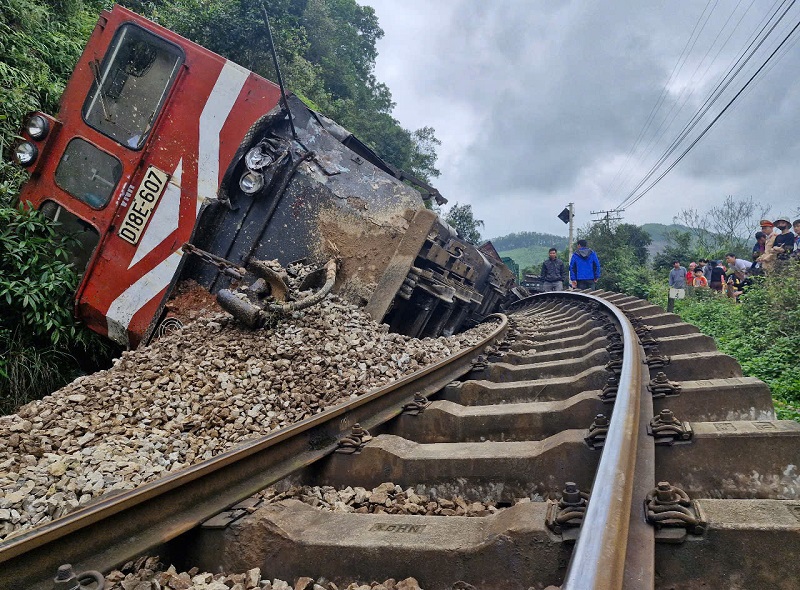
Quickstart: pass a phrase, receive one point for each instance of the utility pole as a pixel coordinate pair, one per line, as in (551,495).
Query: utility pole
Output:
(606,216)
(571,208)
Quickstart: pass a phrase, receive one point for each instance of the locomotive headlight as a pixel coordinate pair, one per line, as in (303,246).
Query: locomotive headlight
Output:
(38,127)
(251,182)
(257,158)
(26,153)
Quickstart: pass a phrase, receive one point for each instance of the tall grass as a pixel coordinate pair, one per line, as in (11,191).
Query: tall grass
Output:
(762,332)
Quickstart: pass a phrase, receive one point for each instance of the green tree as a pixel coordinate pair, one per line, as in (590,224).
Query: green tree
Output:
(463,221)
(622,250)
(680,247)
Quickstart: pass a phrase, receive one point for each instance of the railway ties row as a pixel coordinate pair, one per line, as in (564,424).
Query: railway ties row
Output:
(477,440)
(534,426)
(518,426)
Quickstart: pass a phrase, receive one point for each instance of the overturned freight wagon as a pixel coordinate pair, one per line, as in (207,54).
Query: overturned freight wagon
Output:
(174,166)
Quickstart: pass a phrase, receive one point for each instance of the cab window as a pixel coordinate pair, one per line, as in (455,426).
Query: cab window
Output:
(84,236)
(130,85)
(88,173)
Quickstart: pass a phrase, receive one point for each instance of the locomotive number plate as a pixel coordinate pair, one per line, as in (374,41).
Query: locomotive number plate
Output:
(145,201)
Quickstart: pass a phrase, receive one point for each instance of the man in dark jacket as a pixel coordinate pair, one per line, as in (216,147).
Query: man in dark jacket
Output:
(553,272)
(584,268)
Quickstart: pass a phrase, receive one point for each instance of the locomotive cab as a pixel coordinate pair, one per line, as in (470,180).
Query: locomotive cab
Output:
(141,139)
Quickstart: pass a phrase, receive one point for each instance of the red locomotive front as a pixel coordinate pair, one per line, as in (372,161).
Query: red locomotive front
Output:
(147,126)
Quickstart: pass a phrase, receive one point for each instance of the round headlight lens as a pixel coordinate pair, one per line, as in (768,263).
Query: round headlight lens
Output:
(38,127)
(251,182)
(257,158)
(26,153)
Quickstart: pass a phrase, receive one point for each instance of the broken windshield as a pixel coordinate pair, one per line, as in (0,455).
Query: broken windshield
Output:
(131,84)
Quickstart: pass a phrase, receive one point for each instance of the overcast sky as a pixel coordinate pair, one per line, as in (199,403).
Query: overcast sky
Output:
(539,103)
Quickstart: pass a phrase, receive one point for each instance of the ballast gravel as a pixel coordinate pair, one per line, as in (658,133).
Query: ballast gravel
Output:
(191,395)
(387,498)
(148,573)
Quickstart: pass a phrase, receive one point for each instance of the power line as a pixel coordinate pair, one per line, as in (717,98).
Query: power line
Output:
(661,127)
(724,83)
(712,98)
(606,216)
(702,134)
(675,71)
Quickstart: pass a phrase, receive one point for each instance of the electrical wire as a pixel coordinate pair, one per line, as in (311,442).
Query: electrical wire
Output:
(724,110)
(683,97)
(712,98)
(715,95)
(675,71)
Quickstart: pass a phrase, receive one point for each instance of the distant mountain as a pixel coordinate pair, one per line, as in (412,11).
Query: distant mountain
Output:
(658,231)
(528,249)
(532,256)
(529,238)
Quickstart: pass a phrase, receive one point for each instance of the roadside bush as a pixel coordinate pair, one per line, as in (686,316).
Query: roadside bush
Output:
(41,345)
(762,332)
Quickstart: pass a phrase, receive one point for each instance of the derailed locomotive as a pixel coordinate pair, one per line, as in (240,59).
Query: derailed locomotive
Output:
(164,162)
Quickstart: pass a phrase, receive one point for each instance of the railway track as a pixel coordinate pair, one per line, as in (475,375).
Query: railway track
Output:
(644,458)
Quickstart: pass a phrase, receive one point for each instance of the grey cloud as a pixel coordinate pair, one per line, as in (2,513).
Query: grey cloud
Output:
(555,93)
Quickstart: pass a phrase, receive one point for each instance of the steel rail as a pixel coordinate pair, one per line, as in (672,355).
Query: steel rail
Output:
(113,530)
(606,557)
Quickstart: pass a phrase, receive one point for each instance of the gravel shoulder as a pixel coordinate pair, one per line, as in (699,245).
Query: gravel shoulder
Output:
(191,395)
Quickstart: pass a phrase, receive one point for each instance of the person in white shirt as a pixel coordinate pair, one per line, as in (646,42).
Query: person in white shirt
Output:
(737,263)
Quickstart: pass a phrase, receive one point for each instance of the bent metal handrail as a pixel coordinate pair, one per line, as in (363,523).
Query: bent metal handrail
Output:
(599,558)
(111,531)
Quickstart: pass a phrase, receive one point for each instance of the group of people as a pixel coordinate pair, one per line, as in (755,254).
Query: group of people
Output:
(584,269)
(775,245)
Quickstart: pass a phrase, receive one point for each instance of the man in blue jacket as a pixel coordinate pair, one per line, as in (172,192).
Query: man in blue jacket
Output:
(584,267)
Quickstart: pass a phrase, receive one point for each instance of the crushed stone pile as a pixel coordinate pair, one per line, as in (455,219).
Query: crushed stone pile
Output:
(191,395)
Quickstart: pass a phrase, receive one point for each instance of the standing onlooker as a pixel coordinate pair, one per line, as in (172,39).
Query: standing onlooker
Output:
(677,281)
(767,227)
(717,276)
(706,269)
(690,273)
(758,247)
(699,279)
(584,267)
(767,259)
(553,272)
(690,278)
(737,263)
(784,243)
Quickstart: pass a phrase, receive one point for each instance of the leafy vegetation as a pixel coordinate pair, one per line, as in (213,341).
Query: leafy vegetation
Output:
(41,346)
(622,249)
(762,332)
(461,218)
